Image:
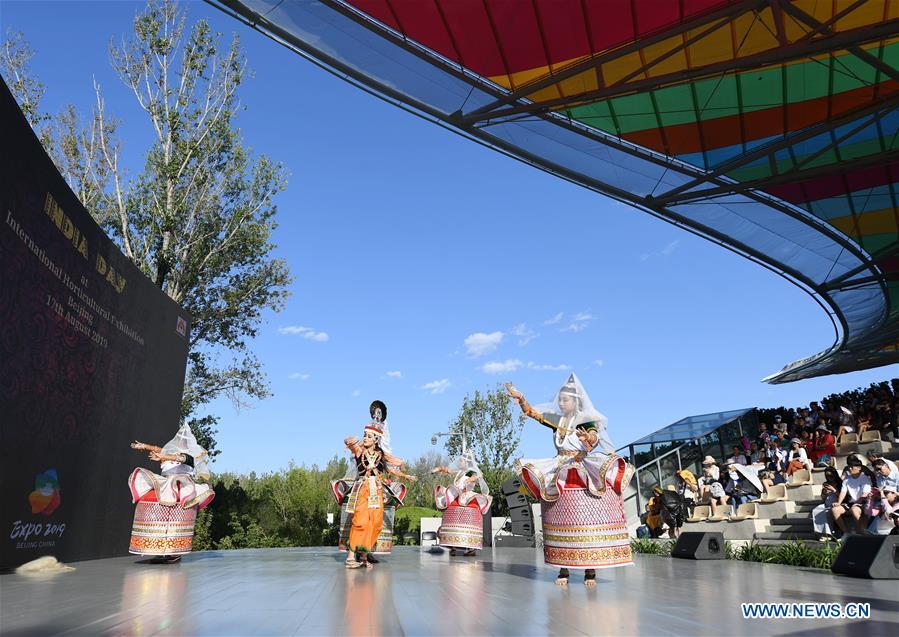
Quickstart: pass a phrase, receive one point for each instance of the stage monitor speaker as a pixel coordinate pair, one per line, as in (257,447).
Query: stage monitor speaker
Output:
(516,500)
(521,514)
(699,546)
(871,556)
(512,541)
(523,528)
(511,486)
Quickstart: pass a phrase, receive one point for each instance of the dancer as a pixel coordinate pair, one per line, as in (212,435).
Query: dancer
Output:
(463,507)
(167,504)
(363,492)
(584,525)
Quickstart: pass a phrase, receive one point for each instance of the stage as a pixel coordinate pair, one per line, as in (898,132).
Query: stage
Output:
(307,591)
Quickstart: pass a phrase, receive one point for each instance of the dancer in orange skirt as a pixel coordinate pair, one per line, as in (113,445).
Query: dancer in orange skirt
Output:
(365,501)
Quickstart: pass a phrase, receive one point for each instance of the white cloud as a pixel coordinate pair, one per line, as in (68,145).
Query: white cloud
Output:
(501,367)
(579,322)
(555,319)
(298,376)
(667,251)
(481,343)
(599,362)
(305,332)
(548,368)
(524,334)
(437,386)
(356,392)
(396,374)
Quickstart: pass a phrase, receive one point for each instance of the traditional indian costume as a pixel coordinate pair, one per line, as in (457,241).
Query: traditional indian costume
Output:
(367,495)
(584,526)
(463,508)
(167,504)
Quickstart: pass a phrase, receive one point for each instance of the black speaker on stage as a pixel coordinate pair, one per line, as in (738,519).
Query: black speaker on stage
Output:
(515,541)
(522,528)
(871,556)
(510,486)
(699,546)
(521,514)
(516,500)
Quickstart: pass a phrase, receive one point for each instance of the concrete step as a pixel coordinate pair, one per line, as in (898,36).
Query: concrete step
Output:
(791,529)
(784,535)
(799,516)
(775,509)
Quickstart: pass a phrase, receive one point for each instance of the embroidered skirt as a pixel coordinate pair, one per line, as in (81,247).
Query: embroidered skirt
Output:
(385,537)
(462,527)
(582,531)
(162,530)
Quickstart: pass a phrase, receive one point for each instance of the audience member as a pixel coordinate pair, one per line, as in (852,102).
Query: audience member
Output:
(853,495)
(821,514)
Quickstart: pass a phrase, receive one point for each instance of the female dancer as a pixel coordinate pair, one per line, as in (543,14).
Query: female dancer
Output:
(167,504)
(584,525)
(463,507)
(365,498)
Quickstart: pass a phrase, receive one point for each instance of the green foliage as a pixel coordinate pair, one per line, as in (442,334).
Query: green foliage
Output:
(493,433)
(197,218)
(652,547)
(421,493)
(202,536)
(754,552)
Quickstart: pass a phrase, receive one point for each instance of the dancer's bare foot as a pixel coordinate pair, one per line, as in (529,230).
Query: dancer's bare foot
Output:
(590,578)
(562,582)
(590,583)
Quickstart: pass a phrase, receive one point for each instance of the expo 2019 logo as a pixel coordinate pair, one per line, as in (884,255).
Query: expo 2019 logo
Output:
(45,497)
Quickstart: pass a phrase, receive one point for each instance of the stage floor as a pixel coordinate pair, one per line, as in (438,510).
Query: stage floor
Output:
(413,592)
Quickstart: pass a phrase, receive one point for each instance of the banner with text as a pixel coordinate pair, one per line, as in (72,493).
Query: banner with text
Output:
(92,356)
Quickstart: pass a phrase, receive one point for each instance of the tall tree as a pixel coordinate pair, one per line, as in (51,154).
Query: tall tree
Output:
(198,218)
(493,433)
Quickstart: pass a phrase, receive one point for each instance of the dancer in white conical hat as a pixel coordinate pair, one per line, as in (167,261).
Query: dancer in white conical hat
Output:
(167,504)
(463,508)
(584,525)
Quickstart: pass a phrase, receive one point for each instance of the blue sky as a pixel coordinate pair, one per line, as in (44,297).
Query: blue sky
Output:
(427,267)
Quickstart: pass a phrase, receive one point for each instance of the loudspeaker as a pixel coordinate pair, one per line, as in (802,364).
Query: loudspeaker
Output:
(516,500)
(506,541)
(871,556)
(521,514)
(522,528)
(699,546)
(511,486)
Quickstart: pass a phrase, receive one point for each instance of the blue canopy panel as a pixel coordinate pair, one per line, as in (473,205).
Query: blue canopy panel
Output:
(692,427)
(716,194)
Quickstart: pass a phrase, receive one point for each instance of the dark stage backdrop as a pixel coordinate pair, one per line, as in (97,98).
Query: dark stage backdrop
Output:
(92,356)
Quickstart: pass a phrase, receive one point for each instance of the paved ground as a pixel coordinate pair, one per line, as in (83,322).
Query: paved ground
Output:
(502,592)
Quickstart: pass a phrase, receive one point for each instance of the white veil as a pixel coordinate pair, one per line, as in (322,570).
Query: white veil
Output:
(585,413)
(185,442)
(465,463)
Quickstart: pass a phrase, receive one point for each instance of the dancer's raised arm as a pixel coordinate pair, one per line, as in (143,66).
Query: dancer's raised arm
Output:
(354,445)
(526,408)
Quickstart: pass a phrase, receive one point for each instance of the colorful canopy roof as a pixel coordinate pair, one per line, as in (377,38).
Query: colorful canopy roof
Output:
(768,126)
